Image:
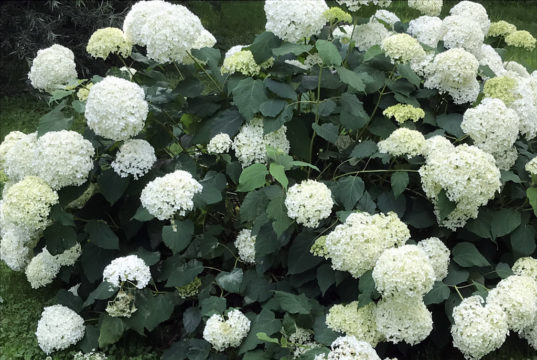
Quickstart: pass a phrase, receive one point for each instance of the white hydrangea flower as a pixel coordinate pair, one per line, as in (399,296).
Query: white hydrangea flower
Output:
(403,141)
(525,105)
(13,247)
(468,175)
(245,244)
(170,194)
(530,334)
(438,255)
(386,16)
(516,69)
(170,32)
(64,158)
(354,321)
(402,48)
(69,256)
(250,144)
(426,29)
(461,32)
(19,159)
(475,11)
(116,108)
(526,266)
(405,270)
(137,16)
(368,35)
(488,56)
(454,71)
(355,5)
(437,146)
(106,41)
(517,296)
(90,356)
(127,268)
(52,68)
(42,269)
(403,319)
(27,203)
(478,330)
(427,7)
(58,328)
(309,202)
(135,157)
(349,348)
(219,144)
(11,139)
(355,245)
(301,342)
(294,20)
(531,166)
(222,333)
(492,126)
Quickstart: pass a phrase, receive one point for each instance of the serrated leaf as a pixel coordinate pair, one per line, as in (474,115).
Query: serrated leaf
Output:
(352,115)
(451,123)
(288,48)
(503,270)
(59,238)
(248,95)
(252,177)
(262,46)
(272,107)
(264,322)
(54,120)
(456,275)
(227,121)
(264,337)
(523,240)
(300,259)
(466,255)
(142,215)
(283,90)
(532,198)
(504,221)
(328,52)
(184,274)
(212,305)
(112,186)
(151,311)
(406,72)
(366,286)
(372,52)
(399,181)
(191,319)
(325,277)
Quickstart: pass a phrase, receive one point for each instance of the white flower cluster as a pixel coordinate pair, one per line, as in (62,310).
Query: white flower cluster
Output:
(116,108)
(525,104)
(426,29)
(355,245)
(219,144)
(168,31)
(403,141)
(402,48)
(135,157)
(438,255)
(354,321)
(531,166)
(468,175)
(64,158)
(472,10)
(245,244)
(18,155)
(403,271)
(427,7)
(355,5)
(454,71)
(368,35)
(52,68)
(59,328)
(494,129)
(106,41)
(250,144)
(15,246)
(386,16)
(295,20)
(128,268)
(478,329)
(461,32)
(170,194)
(44,267)
(90,356)
(301,342)
(222,333)
(488,56)
(526,266)
(309,202)
(349,348)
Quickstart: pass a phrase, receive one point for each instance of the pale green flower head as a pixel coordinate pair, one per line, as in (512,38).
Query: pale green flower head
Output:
(335,14)
(501,28)
(106,41)
(404,112)
(521,38)
(502,87)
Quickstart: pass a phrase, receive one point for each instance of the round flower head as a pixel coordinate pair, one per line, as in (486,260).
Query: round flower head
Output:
(521,38)
(502,87)
(294,20)
(42,269)
(493,126)
(517,296)
(335,15)
(403,271)
(106,41)
(355,5)
(219,144)
(427,7)
(354,321)
(501,28)
(488,56)
(402,48)
(454,71)
(14,247)
(403,141)
(403,319)
(250,144)
(245,244)
(11,139)
(137,16)
(437,146)
(222,333)
(526,266)
(135,157)
(58,328)
(461,32)
(473,10)
(385,16)
(355,245)
(128,268)
(426,29)
(438,255)
(478,330)
(241,61)
(64,158)
(170,194)
(349,348)
(116,108)
(368,35)
(516,69)
(27,203)
(171,32)
(525,105)
(309,202)
(404,112)
(53,68)
(19,158)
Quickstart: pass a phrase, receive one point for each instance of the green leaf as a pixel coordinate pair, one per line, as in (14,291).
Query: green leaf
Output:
(327,131)
(104,291)
(366,286)
(90,341)
(509,176)
(327,107)
(328,52)
(293,304)
(364,149)
(177,240)
(277,211)
(352,115)
(112,186)
(503,270)
(151,310)
(481,226)
(264,322)
(198,349)
(213,184)
(60,216)
(445,206)
(466,255)
(149,257)
(451,123)
(300,259)
(54,120)
(100,234)
(111,331)
(191,319)
(372,52)
(288,48)
(283,90)
(325,277)
(456,275)
(227,121)
(142,215)
(487,71)
(438,294)
(59,238)
(212,305)
(399,181)
(230,281)
(266,241)
(272,107)
(264,337)
(406,72)
(262,46)
(504,222)
(348,191)
(66,298)
(532,198)
(278,172)
(248,95)
(183,274)
(351,78)
(523,240)
(252,177)
(253,205)
(94,259)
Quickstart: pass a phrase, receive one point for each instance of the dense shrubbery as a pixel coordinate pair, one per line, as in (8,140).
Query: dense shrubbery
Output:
(329,190)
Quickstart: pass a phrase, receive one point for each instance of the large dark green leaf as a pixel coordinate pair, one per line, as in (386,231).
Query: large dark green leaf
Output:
(283,90)
(272,107)
(262,46)
(438,294)
(264,322)
(179,238)
(230,281)
(54,120)
(112,186)
(328,52)
(353,115)
(451,123)
(248,95)
(351,78)
(59,238)
(300,259)
(212,305)
(111,331)
(151,311)
(348,190)
(523,240)
(252,177)
(182,274)
(445,206)
(101,235)
(466,255)
(288,48)
(364,149)
(227,121)
(504,222)
(327,131)
(293,304)
(406,72)
(399,181)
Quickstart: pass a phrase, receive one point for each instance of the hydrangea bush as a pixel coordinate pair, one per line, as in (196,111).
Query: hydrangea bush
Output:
(341,188)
